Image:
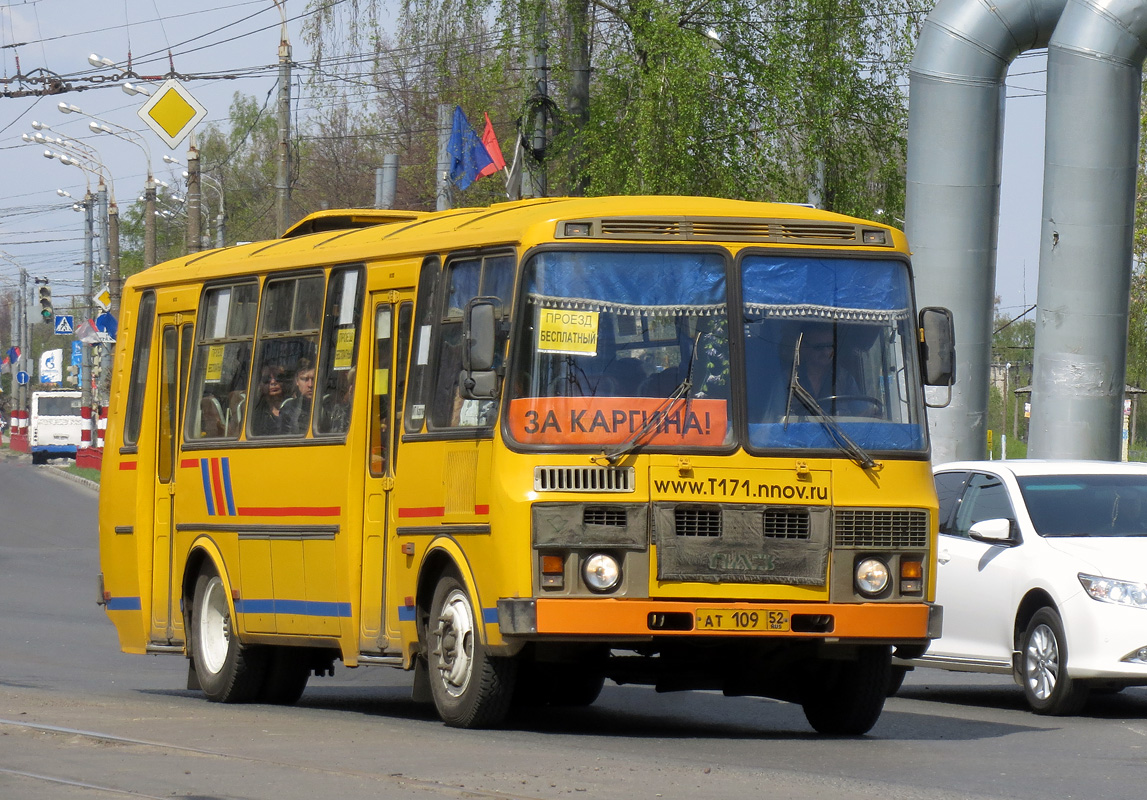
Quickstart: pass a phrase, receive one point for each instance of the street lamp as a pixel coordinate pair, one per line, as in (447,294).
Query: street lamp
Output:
(99,125)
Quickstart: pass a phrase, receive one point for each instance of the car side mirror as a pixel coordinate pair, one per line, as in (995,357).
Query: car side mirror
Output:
(992,531)
(478,380)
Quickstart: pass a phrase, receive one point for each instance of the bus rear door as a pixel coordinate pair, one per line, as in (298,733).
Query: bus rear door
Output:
(175,336)
(392,315)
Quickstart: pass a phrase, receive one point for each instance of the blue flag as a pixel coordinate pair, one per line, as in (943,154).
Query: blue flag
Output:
(468,155)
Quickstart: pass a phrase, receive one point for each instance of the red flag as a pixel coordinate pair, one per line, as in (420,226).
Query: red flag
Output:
(490,141)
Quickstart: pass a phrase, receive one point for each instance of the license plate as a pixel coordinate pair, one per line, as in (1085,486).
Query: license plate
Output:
(736,619)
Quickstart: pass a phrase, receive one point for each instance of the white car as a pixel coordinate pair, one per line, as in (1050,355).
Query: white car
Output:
(1043,575)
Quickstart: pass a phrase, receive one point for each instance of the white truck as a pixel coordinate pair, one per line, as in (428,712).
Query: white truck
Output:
(55,425)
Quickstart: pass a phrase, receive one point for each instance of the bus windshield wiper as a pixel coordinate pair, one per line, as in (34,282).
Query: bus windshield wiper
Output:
(681,392)
(842,440)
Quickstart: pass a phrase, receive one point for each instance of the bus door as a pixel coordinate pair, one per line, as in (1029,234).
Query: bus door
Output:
(175,336)
(392,315)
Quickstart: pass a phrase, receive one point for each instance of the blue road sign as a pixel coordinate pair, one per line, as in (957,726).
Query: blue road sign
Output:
(77,354)
(64,324)
(22,378)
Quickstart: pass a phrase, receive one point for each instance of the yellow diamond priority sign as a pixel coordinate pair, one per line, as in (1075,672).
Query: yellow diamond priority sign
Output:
(172,112)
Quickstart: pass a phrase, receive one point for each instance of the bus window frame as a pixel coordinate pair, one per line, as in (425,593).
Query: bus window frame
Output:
(326,353)
(517,321)
(429,279)
(140,368)
(198,343)
(440,311)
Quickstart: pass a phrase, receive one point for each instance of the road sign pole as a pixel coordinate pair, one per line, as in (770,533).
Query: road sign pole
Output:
(86,367)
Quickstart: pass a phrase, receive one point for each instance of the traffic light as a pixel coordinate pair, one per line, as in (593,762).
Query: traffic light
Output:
(46,304)
(73,374)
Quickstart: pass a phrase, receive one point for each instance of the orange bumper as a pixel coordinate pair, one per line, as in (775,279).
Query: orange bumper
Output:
(615,618)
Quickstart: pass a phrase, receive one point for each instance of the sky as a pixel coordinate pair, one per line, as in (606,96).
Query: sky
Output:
(40,231)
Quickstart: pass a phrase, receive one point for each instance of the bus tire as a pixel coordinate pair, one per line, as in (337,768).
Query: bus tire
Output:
(288,670)
(228,670)
(470,688)
(848,696)
(557,685)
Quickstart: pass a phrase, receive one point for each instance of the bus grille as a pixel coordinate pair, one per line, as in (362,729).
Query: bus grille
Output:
(697,521)
(884,528)
(786,523)
(583,479)
(600,515)
(726,229)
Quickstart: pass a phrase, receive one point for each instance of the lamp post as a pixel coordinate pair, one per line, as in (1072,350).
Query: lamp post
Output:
(98,125)
(211,183)
(18,421)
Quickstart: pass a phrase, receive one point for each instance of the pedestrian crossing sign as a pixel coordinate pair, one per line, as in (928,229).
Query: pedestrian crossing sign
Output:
(64,324)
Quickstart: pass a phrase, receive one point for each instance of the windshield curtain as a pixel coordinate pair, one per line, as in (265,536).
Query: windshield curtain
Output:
(618,346)
(1086,505)
(843,329)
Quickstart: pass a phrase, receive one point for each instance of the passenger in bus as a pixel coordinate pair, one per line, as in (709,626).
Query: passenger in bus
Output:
(267,416)
(337,405)
(296,410)
(822,373)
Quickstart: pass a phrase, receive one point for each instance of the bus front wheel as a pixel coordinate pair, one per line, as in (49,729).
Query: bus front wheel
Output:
(228,670)
(845,698)
(471,689)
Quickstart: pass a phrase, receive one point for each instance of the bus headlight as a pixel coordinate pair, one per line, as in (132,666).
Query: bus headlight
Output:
(601,572)
(872,576)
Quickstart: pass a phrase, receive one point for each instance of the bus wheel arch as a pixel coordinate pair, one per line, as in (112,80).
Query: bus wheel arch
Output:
(227,669)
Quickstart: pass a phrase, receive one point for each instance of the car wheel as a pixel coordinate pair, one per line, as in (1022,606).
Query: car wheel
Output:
(470,688)
(228,670)
(1043,668)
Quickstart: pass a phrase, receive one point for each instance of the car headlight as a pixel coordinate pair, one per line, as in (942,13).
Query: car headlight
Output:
(872,576)
(601,572)
(1109,590)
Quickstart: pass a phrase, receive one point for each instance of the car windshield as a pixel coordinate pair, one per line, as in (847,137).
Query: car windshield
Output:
(1086,505)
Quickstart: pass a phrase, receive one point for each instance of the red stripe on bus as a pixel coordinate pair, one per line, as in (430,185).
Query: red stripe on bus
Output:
(127,465)
(481,509)
(434,511)
(286,511)
(217,486)
(189,463)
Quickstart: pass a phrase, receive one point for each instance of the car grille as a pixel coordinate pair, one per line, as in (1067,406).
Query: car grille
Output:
(881,528)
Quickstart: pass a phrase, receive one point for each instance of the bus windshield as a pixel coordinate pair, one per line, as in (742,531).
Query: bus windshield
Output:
(621,347)
(841,330)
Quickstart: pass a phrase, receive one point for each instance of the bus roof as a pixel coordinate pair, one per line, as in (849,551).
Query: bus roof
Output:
(342,236)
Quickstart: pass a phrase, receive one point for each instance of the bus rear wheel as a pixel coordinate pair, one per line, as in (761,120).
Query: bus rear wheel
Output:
(845,698)
(471,689)
(228,670)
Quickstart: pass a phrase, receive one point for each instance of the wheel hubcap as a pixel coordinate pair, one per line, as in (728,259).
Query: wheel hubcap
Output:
(454,640)
(214,627)
(1041,662)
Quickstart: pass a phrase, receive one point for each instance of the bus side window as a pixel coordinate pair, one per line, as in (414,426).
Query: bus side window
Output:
(491,276)
(334,390)
(139,362)
(420,360)
(222,360)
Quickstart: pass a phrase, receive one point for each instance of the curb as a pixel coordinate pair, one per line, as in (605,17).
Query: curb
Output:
(61,472)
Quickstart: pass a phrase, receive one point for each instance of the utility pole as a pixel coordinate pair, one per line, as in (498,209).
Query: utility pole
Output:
(534,171)
(24,343)
(115,282)
(194,229)
(149,222)
(385,181)
(283,178)
(86,349)
(443,183)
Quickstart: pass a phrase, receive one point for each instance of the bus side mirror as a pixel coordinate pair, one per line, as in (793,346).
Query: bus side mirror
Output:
(937,346)
(478,380)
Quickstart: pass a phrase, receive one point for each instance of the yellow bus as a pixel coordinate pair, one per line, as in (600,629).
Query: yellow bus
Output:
(523,449)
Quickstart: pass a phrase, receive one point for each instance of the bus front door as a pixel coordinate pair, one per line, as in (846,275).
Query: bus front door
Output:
(175,332)
(392,315)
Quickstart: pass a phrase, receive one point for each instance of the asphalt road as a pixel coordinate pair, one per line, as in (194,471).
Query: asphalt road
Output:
(79,719)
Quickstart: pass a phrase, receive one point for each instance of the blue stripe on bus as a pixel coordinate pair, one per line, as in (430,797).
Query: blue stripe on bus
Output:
(227,488)
(206,472)
(406,614)
(123,604)
(305,608)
